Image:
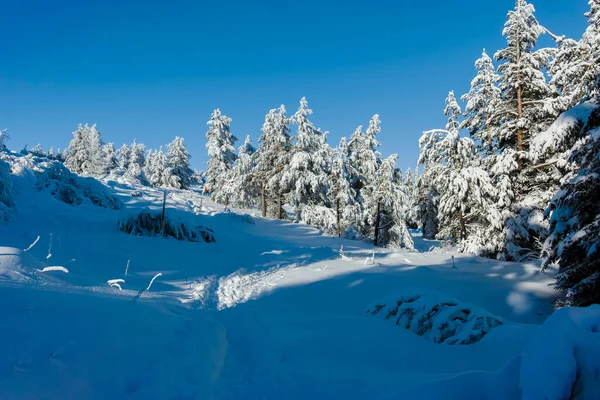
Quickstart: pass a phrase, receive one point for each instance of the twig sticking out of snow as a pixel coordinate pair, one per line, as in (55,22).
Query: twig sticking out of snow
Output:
(127,267)
(49,248)
(453,264)
(32,244)
(115,283)
(148,288)
(55,268)
(370,260)
(342,255)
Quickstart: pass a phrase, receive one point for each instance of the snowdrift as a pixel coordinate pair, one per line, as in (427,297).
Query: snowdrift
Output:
(563,359)
(560,361)
(18,266)
(436,317)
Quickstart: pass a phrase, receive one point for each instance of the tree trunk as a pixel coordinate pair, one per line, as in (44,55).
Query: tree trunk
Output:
(337,213)
(263,199)
(520,112)
(280,211)
(519,95)
(463,228)
(162,220)
(377,220)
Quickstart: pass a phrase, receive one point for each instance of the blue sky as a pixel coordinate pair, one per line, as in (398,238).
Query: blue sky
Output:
(153,70)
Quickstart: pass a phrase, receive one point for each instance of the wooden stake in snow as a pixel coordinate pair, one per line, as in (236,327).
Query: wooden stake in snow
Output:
(148,288)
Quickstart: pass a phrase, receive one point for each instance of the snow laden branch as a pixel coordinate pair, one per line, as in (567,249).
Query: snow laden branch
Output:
(148,288)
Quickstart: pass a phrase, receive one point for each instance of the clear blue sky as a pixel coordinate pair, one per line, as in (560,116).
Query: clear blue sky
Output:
(152,70)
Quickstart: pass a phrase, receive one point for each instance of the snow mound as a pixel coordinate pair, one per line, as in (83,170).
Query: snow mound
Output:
(147,223)
(570,369)
(18,266)
(73,189)
(436,317)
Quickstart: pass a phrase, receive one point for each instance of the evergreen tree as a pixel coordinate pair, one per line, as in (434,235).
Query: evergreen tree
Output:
(341,194)
(466,203)
(272,155)
(306,174)
(111,159)
(525,104)
(222,155)
(482,100)
(365,160)
(95,164)
(137,159)
(78,153)
(124,154)
(386,206)
(158,171)
(574,240)
(51,153)
(4,137)
(241,183)
(179,161)
(37,150)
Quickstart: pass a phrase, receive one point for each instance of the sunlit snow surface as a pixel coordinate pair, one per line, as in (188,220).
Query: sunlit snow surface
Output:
(269,311)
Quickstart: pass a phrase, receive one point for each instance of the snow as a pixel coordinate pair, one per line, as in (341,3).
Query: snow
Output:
(270,310)
(574,336)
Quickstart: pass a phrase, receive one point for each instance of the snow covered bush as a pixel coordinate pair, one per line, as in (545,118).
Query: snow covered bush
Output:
(147,223)
(436,317)
(6,192)
(69,188)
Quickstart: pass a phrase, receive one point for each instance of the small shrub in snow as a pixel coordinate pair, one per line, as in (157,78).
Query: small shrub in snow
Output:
(436,317)
(147,223)
(72,189)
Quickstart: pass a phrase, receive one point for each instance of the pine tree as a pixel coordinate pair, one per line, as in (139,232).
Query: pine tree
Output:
(306,174)
(124,154)
(341,194)
(525,108)
(179,161)
(95,165)
(110,157)
(51,153)
(4,137)
(365,160)
(137,158)
(37,151)
(386,206)
(482,100)
(158,171)
(466,202)
(241,184)
(222,155)
(574,240)
(78,153)
(272,155)
(525,102)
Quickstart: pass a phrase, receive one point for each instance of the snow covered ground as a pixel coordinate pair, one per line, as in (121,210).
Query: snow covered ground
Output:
(269,311)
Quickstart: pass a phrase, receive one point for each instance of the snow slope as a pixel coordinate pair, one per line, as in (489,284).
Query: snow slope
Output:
(269,311)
